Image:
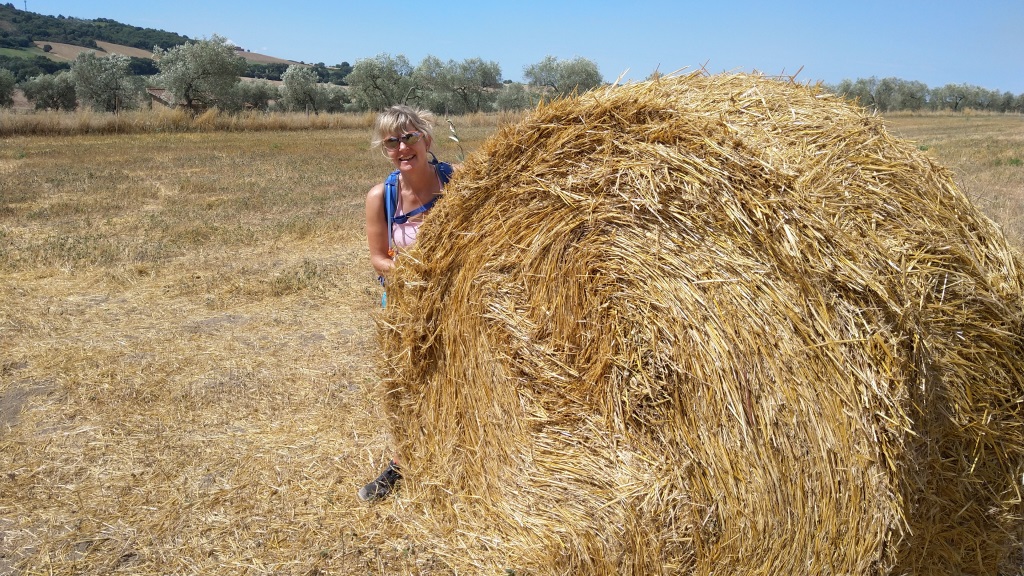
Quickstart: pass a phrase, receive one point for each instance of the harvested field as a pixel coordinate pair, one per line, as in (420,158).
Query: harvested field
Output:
(62,52)
(187,353)
(263,58)
(186,374)
(709,324)
(110,48)
(985,152)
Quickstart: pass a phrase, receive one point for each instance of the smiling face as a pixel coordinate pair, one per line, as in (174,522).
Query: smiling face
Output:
(410,148)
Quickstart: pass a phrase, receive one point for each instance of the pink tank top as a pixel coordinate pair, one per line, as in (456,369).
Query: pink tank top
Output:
(404,235)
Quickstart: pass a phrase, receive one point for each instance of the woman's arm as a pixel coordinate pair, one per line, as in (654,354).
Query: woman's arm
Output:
(377,230)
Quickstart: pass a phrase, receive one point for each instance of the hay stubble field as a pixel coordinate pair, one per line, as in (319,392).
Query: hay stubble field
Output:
(187,345)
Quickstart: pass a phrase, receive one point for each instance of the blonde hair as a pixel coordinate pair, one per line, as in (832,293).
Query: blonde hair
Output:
(400,117)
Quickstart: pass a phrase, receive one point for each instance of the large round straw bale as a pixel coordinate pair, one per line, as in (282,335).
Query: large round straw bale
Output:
(707,325)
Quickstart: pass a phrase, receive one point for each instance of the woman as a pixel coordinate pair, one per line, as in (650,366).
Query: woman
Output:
(395,209)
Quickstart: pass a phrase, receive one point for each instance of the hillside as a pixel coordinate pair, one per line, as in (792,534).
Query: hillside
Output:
(24,37)
(70,36)
(20,29)
(61,52)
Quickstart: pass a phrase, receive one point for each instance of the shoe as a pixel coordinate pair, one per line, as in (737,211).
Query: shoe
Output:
(383,485)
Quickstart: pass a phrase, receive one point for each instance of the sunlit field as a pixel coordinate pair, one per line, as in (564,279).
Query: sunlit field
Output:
(986,151)
(187,343)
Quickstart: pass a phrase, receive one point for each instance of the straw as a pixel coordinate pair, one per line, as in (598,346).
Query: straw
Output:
(707,324)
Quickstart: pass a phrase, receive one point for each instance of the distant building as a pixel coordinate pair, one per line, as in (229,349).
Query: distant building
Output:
(160,96)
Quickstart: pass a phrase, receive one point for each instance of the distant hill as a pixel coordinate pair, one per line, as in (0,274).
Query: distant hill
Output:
(32,44)
(62,52)
(19,29)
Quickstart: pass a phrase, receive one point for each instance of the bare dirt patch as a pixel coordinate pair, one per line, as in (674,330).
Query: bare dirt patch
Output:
(21,103)
(13,401)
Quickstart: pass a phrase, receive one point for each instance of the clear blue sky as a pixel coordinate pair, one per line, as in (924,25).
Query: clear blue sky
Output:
(938,42)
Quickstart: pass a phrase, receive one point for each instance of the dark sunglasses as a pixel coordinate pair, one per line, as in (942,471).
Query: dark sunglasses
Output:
(408,138)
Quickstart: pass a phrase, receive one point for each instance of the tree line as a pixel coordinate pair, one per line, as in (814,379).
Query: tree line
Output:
(895,94)
(203,74)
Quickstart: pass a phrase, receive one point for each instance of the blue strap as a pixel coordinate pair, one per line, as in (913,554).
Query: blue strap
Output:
(444,171)
(391,203)
(403,218)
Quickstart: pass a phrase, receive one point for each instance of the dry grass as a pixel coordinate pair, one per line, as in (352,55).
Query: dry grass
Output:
(186,376)
(23,121)
(187,352)
(987,153)
(160,119)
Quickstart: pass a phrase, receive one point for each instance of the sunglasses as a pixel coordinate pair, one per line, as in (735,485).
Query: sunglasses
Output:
(409,138)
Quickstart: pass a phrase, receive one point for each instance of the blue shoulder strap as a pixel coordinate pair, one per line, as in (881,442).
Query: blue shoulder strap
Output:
(391,203)
(444,171)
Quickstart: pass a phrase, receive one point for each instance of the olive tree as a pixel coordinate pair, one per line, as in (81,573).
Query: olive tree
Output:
(515,97)
(474,83)
(106,84)
(381,81)
(458,87)
(1017,103)
(890,94)
(1006,102)
(199,74)
(430,78)
(335,98)
(911,95)
(861,91)
(301,89)
(51,91)
(6,88)
(250,95)
(563,77)
(951,96)
(886,94)
(984,99)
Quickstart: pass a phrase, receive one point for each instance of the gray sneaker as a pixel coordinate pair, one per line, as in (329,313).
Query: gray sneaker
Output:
(383,485)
